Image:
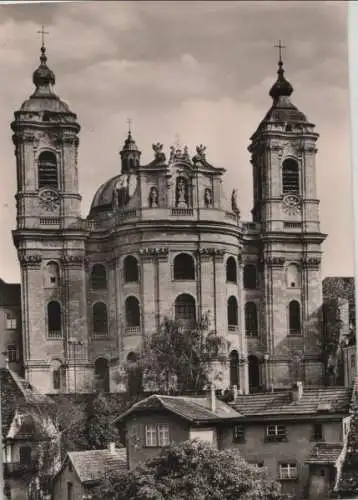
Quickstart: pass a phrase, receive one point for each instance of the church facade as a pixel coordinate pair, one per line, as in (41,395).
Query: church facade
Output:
(161,240)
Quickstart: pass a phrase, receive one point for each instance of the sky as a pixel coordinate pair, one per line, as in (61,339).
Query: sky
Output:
(197,71)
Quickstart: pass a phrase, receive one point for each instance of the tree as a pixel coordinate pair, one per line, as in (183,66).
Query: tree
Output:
(176,359)
(191,470)
(99,428)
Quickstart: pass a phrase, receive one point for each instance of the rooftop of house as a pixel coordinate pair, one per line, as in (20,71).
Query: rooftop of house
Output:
(16,394)
(93,465)
(192,409)
(328,400)
(325,453)
(10,294)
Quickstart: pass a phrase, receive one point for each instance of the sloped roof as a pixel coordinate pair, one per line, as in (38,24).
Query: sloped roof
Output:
(93,465)
(10,294)
(336,398)
(193,409)
(17,393)
(325,453)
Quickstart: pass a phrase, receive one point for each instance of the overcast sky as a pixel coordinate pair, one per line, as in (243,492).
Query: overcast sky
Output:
(197,70)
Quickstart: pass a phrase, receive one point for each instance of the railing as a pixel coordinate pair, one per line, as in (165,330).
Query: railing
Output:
(100,335)
(132,330)
(293,225)
(50,221)
(182,211)
(54,335)
(251,333)
(233,328)
(295,332)
(231,215)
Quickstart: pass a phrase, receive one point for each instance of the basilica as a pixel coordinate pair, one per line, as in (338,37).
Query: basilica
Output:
(161,240)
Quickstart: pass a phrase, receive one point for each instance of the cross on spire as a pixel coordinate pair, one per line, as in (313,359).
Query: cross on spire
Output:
(129,121)
(177,140)
(42,32)
(280,46)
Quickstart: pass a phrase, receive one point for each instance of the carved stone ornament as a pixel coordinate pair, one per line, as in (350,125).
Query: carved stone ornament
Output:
(291,204)
(76,260)
(30,260)
(217,252)
(49,199)
(151,253)
(311,261)
(274,261)
(159,155)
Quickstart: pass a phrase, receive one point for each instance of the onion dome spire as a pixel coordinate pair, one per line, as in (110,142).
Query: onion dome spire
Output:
(43,77)
(281,87)
(130,153)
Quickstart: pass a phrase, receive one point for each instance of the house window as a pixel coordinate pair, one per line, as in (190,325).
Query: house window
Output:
(184,267)
(251,323)
(231,270)
(56,379)
(10,322)
(294,317)
(288,471)
(25,455)
(238,435)
(132,312)
(54,321)
(257,465)
(185,310)
(232,313)
(47,170)
(317,434)
(250,277)
(12,353)
(100,319)
(275,432)
(156,435)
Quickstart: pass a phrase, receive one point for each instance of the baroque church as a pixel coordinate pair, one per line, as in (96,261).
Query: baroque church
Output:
(161,240)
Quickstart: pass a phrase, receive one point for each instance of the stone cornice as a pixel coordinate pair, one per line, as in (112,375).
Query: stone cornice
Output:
(151,253)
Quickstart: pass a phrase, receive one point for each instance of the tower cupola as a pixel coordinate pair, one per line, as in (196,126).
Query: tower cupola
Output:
(130,154)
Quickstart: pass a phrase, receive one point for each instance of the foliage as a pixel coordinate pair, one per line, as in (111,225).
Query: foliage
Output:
(176,359)
(99,428)
(191,470)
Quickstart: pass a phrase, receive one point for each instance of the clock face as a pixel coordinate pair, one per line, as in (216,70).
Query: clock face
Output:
(291,203)
(49,199)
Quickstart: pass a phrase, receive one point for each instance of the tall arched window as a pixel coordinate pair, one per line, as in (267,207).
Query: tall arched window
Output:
(98,277)
(231,270)
(293,276)
(250,277)
(130,265)
(234,368)
(290,177)
(47,170)
(58,378)
(294,313)
(251,323)
(232,313)
(254,373)
(54,321)
(132,312)
(101,371)
(184,267)
(100,319)
(52,275)
(185,310)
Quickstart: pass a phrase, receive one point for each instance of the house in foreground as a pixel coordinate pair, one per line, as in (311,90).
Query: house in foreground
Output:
(297,435)
(81,471)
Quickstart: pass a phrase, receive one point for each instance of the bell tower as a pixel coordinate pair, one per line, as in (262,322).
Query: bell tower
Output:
(49,236)
(286,209)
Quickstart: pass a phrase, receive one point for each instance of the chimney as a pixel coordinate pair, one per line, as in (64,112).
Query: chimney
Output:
(112,447)
(297,391)
(213,398)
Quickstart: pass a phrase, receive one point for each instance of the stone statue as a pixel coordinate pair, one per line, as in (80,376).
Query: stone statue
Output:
(180,198)
(153,197)
(208,199)
(159,156)
(120,194)
(200,154)
(234,205)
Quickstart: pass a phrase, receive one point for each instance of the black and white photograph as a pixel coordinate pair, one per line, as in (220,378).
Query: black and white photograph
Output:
(177,280)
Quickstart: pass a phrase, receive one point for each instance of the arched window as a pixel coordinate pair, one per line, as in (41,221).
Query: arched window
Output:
(251,323)
(132,357)
(54,322)
(231,270)
(132,312)
(290,177)
(100,319)
(250,277)
(234,368)
(130,265)
(232,313)
(254,373)
(293,276)
(47,170)
(57,374)
(98,277)
(52,278)
(101,371)
(294,312)
(184,267)
(185,310)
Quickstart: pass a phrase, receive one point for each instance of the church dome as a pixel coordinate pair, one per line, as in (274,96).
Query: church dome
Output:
(44,98)
(116,193)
